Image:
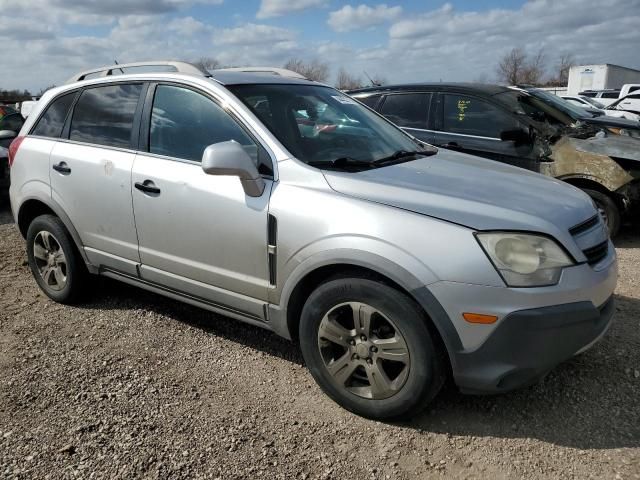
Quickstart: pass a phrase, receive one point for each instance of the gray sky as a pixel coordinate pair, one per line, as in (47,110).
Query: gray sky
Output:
(45,41)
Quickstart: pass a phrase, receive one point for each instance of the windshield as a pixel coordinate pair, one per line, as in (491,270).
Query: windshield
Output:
(574,111)
(522,103)
(320,125)
(593,102)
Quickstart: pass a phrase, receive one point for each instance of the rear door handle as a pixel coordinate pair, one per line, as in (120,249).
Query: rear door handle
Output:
(62,167)
(147,187)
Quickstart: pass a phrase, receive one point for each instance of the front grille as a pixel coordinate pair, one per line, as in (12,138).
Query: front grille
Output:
(584,226)
(597,252)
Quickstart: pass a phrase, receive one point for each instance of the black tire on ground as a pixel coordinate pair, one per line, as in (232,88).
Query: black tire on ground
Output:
(75,271)
(426,372)
(608,207)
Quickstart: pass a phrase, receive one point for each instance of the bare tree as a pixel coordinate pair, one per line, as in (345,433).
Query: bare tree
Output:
(208,63)
(516,67)
(314,70)
(511,67)
(346,81)
(561,78)
(534,69)
(43,90)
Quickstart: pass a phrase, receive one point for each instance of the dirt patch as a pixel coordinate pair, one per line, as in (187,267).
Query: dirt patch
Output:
(132,385)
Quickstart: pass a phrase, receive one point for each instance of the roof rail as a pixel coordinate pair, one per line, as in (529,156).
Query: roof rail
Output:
(283,72)
(181,67)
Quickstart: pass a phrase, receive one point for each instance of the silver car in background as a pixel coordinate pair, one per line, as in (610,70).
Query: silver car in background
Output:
(286,204)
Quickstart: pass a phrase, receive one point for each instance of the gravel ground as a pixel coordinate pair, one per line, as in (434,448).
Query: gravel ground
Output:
(132,385)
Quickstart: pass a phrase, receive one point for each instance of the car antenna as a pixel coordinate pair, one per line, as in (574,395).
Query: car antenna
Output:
(374,84)
(115,62)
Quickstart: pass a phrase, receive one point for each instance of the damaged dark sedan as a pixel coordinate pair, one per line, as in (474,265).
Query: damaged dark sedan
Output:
(513,126)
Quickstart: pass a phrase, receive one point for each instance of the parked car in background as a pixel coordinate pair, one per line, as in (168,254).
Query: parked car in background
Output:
(27,106)
(584,101)
(628,88)
(10,124)
(605,97)
(513,126)
(618,126)
(590,103)
(629,103)
(286,204)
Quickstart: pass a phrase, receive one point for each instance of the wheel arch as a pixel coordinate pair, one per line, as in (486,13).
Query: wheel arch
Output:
(582,182)
(32,207)
(285,318)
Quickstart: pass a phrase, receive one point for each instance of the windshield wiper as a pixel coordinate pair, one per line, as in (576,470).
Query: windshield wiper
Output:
(403,156)
(342,162)
(350,162)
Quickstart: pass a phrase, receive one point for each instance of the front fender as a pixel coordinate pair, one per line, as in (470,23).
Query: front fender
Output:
(359,250)
(391,262)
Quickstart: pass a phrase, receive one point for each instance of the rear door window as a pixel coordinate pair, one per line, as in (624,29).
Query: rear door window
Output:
(52,122)
(468,115)
(408,110)
(104,115)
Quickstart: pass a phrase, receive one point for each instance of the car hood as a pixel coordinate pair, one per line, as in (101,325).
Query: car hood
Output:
(471,191)
(608,121)
(618,146)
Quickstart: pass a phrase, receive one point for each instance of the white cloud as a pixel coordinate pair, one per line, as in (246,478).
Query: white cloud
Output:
(256,44)
(126,7)
(277,8)
(455,45)
(252,34)
(355,18)
(42,46)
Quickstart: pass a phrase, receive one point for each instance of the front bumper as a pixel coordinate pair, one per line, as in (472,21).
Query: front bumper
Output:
(537,328)
(529,343)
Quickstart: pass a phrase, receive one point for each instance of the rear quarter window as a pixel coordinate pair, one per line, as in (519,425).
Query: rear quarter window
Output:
(51,122)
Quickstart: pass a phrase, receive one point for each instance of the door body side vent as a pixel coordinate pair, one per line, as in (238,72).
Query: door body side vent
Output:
(272,247)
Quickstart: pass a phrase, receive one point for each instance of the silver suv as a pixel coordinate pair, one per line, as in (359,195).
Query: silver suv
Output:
(286,204)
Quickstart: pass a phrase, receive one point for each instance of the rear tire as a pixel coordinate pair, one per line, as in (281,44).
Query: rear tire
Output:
(54,260)
(608,210)
(368,347)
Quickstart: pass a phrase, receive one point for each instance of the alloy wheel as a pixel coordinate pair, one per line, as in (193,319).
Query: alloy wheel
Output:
(363,351)
(50,260)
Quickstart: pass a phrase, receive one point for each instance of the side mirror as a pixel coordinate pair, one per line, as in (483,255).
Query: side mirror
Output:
(518,136)
(7,134)
(229,158)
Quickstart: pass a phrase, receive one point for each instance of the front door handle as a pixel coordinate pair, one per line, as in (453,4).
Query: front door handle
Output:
(147,187)
(62,167)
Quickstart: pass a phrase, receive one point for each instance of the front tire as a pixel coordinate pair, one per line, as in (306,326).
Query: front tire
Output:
(54,261)
(369,348)
(608,210)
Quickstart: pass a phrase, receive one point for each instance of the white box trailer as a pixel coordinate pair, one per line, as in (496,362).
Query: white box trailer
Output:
(600,77)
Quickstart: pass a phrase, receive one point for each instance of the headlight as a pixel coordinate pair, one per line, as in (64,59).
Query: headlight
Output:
(525,260)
